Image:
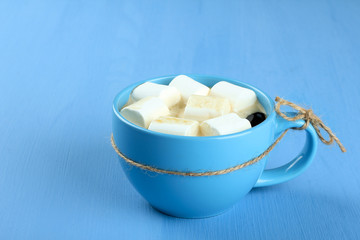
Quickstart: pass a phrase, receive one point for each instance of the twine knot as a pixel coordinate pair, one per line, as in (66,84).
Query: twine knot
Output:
(310,118)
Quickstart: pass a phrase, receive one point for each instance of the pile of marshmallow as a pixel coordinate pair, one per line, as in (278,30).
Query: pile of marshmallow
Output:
(188,108)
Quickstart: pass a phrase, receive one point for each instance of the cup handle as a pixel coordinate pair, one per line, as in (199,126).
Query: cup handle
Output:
(298,165)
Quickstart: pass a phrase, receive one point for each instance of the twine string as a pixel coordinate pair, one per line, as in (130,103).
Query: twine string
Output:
(306,114)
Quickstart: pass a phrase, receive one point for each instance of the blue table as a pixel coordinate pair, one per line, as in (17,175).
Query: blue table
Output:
(61,64)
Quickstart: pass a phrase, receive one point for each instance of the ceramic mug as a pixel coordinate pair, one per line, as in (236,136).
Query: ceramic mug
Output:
(198,197)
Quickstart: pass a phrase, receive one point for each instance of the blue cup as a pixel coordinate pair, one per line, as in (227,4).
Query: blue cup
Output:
(205,196)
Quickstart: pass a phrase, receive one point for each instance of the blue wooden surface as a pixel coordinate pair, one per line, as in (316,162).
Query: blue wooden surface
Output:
(62,62)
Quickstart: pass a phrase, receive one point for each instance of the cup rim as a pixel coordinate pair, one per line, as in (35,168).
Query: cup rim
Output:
(159,134)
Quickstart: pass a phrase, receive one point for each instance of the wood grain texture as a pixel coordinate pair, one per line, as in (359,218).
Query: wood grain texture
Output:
(62,62)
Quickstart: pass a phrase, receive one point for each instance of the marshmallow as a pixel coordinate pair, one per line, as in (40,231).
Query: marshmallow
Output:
(240,98)
(177,111)
(188,86)
(201,108)
(144,111)
(227,124)
(176,126)
(257,107)
(170,95)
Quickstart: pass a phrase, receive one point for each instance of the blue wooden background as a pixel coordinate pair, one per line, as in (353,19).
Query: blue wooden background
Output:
(62,62)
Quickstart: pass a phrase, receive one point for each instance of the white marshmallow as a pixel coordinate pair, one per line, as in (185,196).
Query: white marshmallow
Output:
(257,107)
(177,111)
(201,108)
(176,126)
(144,111)
(227,124)
(188,86)
(240,98)
(170,95)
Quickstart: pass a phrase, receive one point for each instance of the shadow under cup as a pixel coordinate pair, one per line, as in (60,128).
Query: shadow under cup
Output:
(189,196)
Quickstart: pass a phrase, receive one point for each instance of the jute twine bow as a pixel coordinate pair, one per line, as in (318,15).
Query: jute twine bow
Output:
(310,118)
(306,114)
